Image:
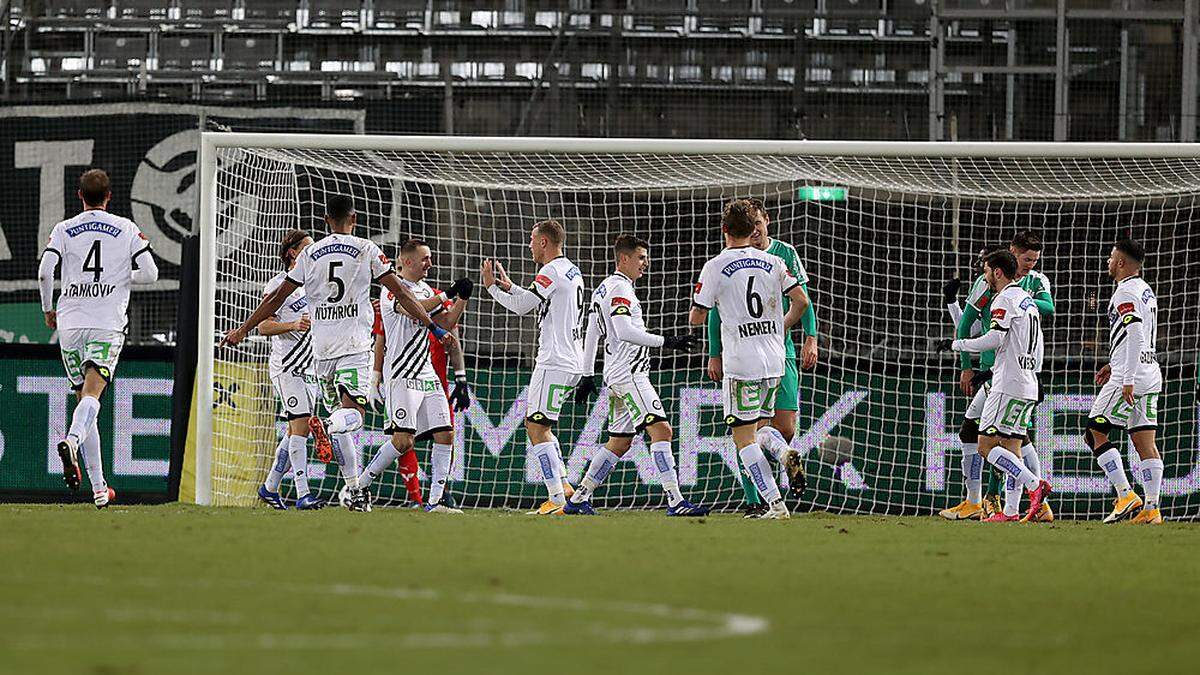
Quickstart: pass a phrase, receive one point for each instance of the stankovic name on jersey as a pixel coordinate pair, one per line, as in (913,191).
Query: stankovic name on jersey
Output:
(755,328)
(90,290)
(336,312)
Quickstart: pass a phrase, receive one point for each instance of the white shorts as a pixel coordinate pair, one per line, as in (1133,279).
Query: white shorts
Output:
(98,346)
(548,391)
(1110,411)
(1005,416)
(297,394)
(633,405)
(350,374)
(748,401)
(975,408)
(417,406)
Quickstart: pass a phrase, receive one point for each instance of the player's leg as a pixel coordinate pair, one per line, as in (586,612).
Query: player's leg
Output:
(1003,425)
(620,438)
(744,404)
(1101,423)
(776,436)
(433,419)
(410,473)
(971,507)
(1031,458)
(546,395)
(295,405)
(101,351)
(1143,428)
(350,377)
(298,431)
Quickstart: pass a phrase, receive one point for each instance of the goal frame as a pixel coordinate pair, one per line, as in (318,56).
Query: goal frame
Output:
(211,142)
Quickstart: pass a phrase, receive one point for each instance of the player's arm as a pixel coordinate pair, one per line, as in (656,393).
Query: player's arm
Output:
(1044,300)
(1135,341)
(591,344)
(970,315)
(460,396)
(704,296)
(799,304)
(407,302)
(273,326)
(1002,318)
(143,268)
(449,318)
(510,296)
(46,270)
(270,304)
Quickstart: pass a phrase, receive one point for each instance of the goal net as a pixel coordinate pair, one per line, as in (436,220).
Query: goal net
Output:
(880,229)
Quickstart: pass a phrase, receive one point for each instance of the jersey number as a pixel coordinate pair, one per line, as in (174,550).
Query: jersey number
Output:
(754,303)
(92,262)
(581,322)
(333,278)
(1035,330)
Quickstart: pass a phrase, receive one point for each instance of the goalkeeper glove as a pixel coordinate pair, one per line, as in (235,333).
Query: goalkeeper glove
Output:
(461,288)
(683,343)
(460,398)
(982,376)
(585,388)
(375,393)
(950,290)
(944,345)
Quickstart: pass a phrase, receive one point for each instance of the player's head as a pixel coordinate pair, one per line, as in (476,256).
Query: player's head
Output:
(95,189)
(546,240)
(1027,247)
(761,237)
(737,220)
(999,268)
(415,259)
(339,214)
(1126,259)
(633,255)
(293,242)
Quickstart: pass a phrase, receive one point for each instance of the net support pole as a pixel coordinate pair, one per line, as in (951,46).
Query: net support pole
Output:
(205,326)
(1187,117)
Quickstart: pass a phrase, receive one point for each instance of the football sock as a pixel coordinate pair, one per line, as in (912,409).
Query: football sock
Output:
(560,467)
(384,456)
(298,454)
(771,440)
(344,420)
(972,469)
(1152,473)
(91,459)
(440,459)
(760,471)
(601,465)
(664,461)
(345,451)
(1012,496)
(543,455)
(84,417)
(1010,464)
(279,466)
(1110,463)
(411,473)
(751,495)
(1029,455)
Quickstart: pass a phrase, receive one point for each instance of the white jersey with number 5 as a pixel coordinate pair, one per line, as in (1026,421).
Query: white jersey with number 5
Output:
(747,286)
(336,273)
(97,252)
(1133,302)
(561,315)
(1019,356)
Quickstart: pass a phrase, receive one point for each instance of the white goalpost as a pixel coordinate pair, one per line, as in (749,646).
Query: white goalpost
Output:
(880,228)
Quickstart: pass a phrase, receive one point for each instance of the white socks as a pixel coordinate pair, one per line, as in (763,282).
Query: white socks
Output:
(1010,464)
(345,451)
(84,417)
(384,456)
(1031,459)
(1110,463)
(279,466)
(756,465)
(598,469)
(1152,472)
(972,470)
(344,420)
(664,462)
(95,469)
(1012,489)
(544,455)
(770,439)
(560,467)
(298,455)
(440,459)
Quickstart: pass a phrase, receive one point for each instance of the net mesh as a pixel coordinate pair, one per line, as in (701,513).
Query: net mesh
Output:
(879,416)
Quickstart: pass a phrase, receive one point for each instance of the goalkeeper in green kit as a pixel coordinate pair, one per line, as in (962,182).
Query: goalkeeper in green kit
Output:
(781,429)
(1026,246)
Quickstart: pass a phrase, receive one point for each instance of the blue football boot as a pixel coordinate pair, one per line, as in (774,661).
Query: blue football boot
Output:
(687,509)
(271,499)
(580,509)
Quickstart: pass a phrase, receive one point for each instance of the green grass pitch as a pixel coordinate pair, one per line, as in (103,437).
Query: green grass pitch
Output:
(183,589)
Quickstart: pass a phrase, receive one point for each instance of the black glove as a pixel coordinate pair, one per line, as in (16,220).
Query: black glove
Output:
(683,343)
(980,377)
(950,290)
(585,388)
(461,288)
(460,397)
(943,345)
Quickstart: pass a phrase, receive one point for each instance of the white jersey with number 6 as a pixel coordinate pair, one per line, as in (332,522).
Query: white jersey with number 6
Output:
(336,273)
(747,286)
(1019,356)
(97,252)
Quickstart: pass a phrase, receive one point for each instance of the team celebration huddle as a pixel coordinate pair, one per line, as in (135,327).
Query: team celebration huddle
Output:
(401,354)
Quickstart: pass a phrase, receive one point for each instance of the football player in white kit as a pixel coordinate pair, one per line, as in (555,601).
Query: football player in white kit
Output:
(336,273)
(747,286)
(291,370)
(558,295)
(1131,383)
(615,318)
(98,255)
(1015,334)
(412,393)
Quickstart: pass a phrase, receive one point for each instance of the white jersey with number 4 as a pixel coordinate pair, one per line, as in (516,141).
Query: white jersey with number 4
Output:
(336,273)
(97,253)
(1133,302)
(747,286)
(407,339)
(561,315)
(1019,356)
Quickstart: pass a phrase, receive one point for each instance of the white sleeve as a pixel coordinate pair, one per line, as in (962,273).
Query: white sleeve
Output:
(145,270)
(786,281)
(984,343)
(46,270)
(380,265)
(299,273)
(624,326)
(705,294)
(956,311)
(1135,340)
(591,342)
(517,299)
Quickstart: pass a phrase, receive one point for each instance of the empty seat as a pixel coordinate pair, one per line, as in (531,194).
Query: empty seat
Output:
(787,16)
(207,9)
(184,51)
(270,10)
(465,15)
(909,17)
(249,52)
(853,17)
(157,10)
(335,12)
(658,15)
(120,51)
(408,14)
(724,15)
(77,8)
